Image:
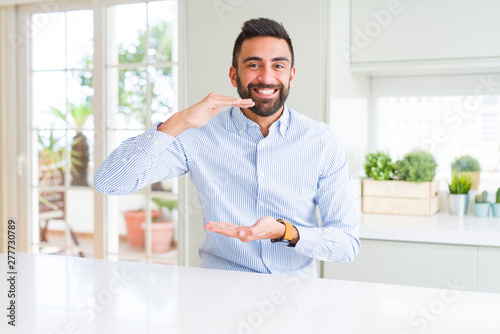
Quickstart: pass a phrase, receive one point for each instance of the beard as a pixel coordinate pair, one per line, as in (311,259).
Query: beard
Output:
(263,107)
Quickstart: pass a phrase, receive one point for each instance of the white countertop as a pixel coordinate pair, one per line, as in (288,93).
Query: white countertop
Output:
(59,294)
(439,228)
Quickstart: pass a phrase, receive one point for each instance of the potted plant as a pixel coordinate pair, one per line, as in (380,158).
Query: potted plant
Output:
(467,165)
(135,230)
(458,199)
(481,205)
(417,166)
(406,187)
(496,206)
(379,166)
(162,229)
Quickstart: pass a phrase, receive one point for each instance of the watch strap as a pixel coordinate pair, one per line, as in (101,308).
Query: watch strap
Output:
(287,238)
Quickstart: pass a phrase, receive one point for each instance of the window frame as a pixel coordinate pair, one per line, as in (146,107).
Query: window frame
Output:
(26,223)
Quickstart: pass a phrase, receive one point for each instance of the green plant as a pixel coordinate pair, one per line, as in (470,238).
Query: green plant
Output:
(132,83)
(498,196)
(161,203)
(460,185)
(482,198)
(51,153)
(379,166)
(78,114)
(465,163)
(417,166)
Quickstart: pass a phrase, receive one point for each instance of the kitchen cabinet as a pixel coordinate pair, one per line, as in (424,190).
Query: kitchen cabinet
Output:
(410,263)
(488,266)
(433,251)
(440,35)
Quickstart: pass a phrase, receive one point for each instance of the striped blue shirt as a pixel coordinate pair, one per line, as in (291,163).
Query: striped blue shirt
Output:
(241,176)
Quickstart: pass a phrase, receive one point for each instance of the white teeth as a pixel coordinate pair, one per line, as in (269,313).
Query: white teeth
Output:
(265,91)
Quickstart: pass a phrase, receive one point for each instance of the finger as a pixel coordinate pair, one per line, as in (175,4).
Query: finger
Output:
(222,226)
(235,103)
(243,103)
(221,100)
(226,98)
(226,232)
(227,225)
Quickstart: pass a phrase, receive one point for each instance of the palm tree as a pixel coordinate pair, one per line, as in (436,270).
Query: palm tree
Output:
(79,146)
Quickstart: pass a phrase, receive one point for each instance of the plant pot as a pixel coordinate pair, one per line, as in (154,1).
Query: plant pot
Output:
(400,197)
(458,204)
(495,207)
(482,210)
(474,177)
(135,232)
(162,235)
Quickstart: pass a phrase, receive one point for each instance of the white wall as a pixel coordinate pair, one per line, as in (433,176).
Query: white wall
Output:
(212,27)
(349,95)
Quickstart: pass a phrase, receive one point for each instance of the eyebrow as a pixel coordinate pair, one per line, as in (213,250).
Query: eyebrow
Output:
(247,59)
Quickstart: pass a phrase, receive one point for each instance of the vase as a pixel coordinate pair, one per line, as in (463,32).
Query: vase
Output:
(135,232)
(458,204)
(162,235)
(495,207)
(482,210)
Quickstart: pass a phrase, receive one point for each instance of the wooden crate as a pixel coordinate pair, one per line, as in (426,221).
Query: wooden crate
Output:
(400,197)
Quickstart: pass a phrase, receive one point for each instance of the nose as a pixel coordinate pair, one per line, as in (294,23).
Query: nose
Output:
(266,75)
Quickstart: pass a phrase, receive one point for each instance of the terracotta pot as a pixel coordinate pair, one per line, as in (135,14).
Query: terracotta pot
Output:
(162,235)
(135,232)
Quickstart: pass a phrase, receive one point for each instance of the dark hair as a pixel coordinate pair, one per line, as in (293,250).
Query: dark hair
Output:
(260,27)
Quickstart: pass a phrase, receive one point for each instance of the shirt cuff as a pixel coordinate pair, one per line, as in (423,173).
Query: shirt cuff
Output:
(308,239)
(154,142)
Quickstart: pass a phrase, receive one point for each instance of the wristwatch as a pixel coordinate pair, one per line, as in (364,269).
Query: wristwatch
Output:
(287,238)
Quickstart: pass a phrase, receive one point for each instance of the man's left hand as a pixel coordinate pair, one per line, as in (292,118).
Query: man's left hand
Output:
(265,228)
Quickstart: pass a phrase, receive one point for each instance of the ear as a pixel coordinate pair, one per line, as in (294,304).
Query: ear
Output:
(232,76)
(292,75)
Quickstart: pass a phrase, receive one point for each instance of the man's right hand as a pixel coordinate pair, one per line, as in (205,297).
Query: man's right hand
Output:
(199,114)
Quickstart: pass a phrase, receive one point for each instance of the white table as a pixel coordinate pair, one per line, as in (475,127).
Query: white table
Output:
(59,294)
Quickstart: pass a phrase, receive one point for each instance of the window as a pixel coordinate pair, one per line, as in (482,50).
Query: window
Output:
(139,71)
(448,122)
(142,78)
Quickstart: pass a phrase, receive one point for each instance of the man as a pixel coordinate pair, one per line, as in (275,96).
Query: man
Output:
(260,168)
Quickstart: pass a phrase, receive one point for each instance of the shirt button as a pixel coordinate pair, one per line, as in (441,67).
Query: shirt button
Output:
(262,145)
(261,203)
(261,174)
(268,263)
(149,136)
(156,142)
(303,249)
(241,131)
(124,160)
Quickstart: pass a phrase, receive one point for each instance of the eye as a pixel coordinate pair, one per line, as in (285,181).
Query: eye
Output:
(280,66)
(254,65)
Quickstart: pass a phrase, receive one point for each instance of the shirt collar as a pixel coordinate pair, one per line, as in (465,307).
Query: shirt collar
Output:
(241,121)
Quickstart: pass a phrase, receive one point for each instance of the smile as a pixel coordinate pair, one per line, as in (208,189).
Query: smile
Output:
(265,92)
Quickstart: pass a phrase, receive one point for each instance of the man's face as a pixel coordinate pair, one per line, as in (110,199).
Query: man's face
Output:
(264,73)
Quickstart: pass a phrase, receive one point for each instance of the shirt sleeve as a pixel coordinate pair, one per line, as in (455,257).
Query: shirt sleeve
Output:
(338,238)
(148,158)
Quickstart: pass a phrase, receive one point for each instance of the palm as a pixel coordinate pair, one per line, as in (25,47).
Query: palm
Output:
(265,228)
